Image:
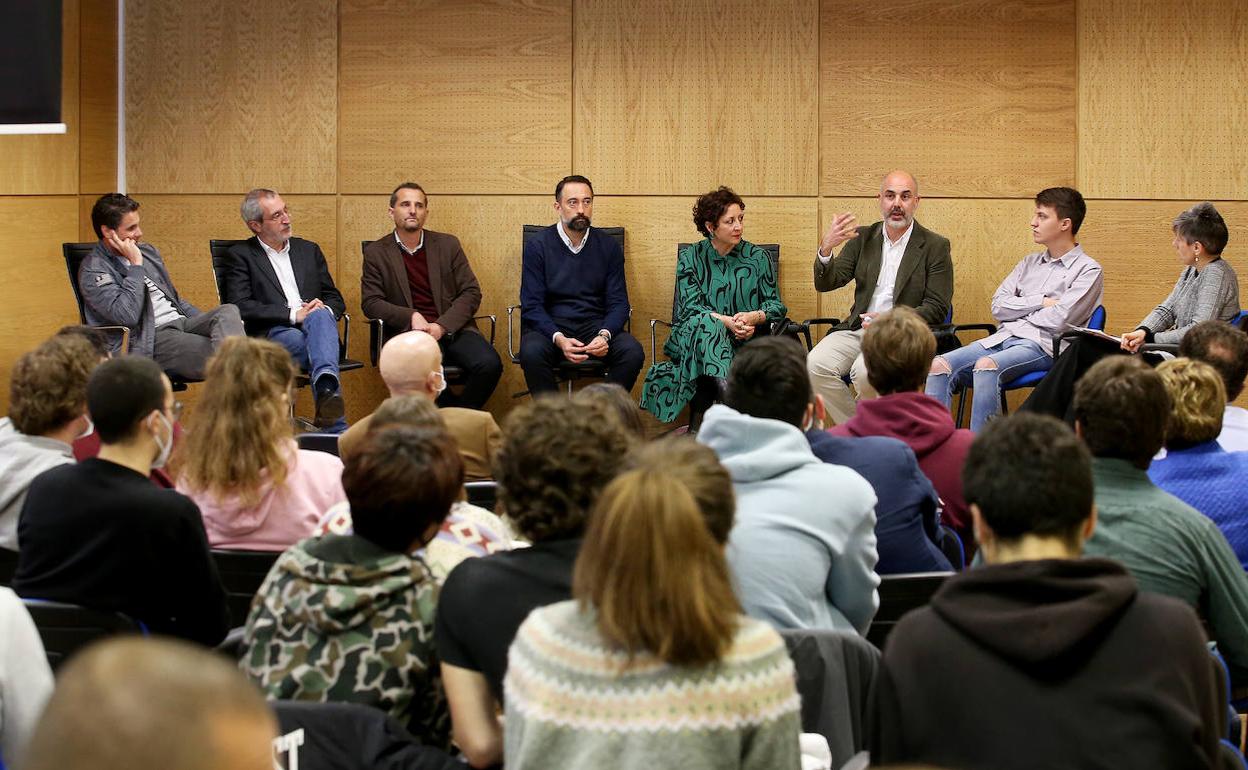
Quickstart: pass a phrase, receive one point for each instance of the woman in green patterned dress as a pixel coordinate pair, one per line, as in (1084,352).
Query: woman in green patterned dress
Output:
(726,290)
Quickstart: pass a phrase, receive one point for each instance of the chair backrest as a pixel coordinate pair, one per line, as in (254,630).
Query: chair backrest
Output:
(319,442)
(74,254)
(1097,321)
(898,595)
(835,673)
(8,566)
(483,494)
(219,247)
(615,232)
(241,573)
(773,256)
(65,628)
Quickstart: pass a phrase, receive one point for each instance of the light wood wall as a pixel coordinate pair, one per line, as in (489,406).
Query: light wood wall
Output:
(801,105)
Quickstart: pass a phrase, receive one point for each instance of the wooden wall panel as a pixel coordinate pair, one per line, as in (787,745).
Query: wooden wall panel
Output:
(48,164)
(1162,99)
(489,228)
(465,97)
(1131,239)
(976,98)
(34,287)
(97,97)
(684,96)
(223,96)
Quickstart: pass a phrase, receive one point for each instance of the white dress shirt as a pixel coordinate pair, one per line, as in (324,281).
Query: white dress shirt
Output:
(890,262)
(280,260)
(563,236)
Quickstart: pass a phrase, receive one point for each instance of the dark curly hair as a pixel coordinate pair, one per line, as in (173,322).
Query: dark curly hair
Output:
(711,206)
(556,457)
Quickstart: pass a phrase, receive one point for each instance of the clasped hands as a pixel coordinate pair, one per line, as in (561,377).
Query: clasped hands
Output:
(742,325)
(419,324)
(307,308)
(576,351)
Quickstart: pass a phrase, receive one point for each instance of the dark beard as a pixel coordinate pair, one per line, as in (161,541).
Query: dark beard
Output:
(579,223)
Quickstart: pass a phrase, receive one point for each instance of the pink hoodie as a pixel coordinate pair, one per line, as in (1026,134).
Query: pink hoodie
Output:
(927,427)
(283,516)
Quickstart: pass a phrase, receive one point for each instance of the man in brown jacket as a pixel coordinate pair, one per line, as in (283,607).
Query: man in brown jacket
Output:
(419,280)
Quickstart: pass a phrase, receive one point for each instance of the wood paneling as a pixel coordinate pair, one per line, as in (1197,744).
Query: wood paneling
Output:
(976,98)
(464,97)
(34,287)
(97,97)
(222,96)
(489,229)
(48,164)
(675,98)
(1162,99)
(1131,240)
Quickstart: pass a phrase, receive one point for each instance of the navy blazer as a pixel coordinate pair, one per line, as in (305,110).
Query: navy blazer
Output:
(906,510)
(251,283)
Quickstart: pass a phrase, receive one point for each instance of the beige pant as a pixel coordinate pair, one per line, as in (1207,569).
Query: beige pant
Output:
(838,354)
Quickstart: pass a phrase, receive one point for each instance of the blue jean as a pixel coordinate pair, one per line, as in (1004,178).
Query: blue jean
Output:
(1014,357)
(314,346)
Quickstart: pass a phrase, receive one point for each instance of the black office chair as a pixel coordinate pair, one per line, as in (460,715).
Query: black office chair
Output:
(318,442)
(567,371)
(74,254)
(8,566)
(378,335)
(898,595)
(241,573)
(218,248)
(483,494)
(66,628)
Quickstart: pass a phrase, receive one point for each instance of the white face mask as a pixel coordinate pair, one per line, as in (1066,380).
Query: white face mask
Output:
(441,380)
(165,449)
(88,430)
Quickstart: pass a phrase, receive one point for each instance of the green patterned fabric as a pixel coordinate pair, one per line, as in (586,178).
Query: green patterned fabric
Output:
(341,620)
(699,345)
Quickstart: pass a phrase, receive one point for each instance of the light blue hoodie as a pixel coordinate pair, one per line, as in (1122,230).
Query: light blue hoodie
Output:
(802,551)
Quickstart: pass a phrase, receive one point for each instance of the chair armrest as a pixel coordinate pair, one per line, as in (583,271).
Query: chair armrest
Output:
(493,324)
(376,333)
(654,348)
(511,350)
(124,331)
(345,337)
(1160,347)
(804,328)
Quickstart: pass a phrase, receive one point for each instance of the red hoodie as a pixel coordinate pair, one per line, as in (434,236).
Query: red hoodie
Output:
(926,426)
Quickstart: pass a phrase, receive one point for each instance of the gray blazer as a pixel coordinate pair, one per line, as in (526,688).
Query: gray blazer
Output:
(1212,293)
(113,293)
(924,278)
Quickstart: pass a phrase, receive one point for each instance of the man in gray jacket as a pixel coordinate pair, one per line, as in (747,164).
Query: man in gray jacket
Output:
(124,282)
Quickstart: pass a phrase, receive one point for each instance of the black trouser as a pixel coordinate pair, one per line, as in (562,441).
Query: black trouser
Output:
(539,356)
(482,368)
(1055,394)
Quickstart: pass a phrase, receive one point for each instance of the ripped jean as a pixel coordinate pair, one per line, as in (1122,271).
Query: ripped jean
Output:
(1013,357)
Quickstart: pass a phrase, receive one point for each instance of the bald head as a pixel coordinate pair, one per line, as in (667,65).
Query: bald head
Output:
(899,197)
(900,180)
(132,702)
(410,364)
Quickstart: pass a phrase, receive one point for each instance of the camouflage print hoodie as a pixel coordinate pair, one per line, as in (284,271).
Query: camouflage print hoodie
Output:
(339,619)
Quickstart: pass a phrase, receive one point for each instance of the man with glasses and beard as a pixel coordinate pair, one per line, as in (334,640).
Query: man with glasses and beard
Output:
(573,296)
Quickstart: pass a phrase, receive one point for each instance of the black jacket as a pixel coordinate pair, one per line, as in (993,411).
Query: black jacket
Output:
(251,283)
(1047,664)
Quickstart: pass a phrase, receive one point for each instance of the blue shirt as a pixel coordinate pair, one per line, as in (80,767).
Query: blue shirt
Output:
(1212,481)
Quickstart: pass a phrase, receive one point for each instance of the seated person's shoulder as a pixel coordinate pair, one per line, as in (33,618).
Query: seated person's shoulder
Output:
(311,461)
(459,416)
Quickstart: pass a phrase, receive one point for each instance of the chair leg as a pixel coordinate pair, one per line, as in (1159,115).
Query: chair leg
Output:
(961,407)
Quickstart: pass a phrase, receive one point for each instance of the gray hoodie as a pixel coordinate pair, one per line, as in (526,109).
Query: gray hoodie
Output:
(802,550)
(22,458)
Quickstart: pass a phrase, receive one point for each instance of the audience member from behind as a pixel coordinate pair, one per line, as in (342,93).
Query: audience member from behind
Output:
(1225,348)
(803,551)
(47,411)
(411,364)
(101,535)
(25,679)
(1196,469)
(239,463)
(1044,659)
(556,457)
(1121,410)
(466,532)
(614,397)
(654,629)
(897,350)
(349,618)
(130,702)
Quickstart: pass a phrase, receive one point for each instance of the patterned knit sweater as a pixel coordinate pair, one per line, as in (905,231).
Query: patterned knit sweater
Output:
(572,701)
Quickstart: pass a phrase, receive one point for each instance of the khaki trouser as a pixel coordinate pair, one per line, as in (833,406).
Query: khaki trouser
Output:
(838,354)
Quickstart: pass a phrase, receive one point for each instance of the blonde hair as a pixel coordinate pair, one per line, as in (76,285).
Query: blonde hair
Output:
(897,349)
(240,437)
(655,574)
(696,467)
(1198,400)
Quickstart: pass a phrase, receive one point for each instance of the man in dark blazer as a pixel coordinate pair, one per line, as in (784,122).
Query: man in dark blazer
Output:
(284,292)
(896,261)
(419,280)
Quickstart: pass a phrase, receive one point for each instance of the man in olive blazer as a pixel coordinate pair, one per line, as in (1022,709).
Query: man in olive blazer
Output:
(419,280)
(895,261)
